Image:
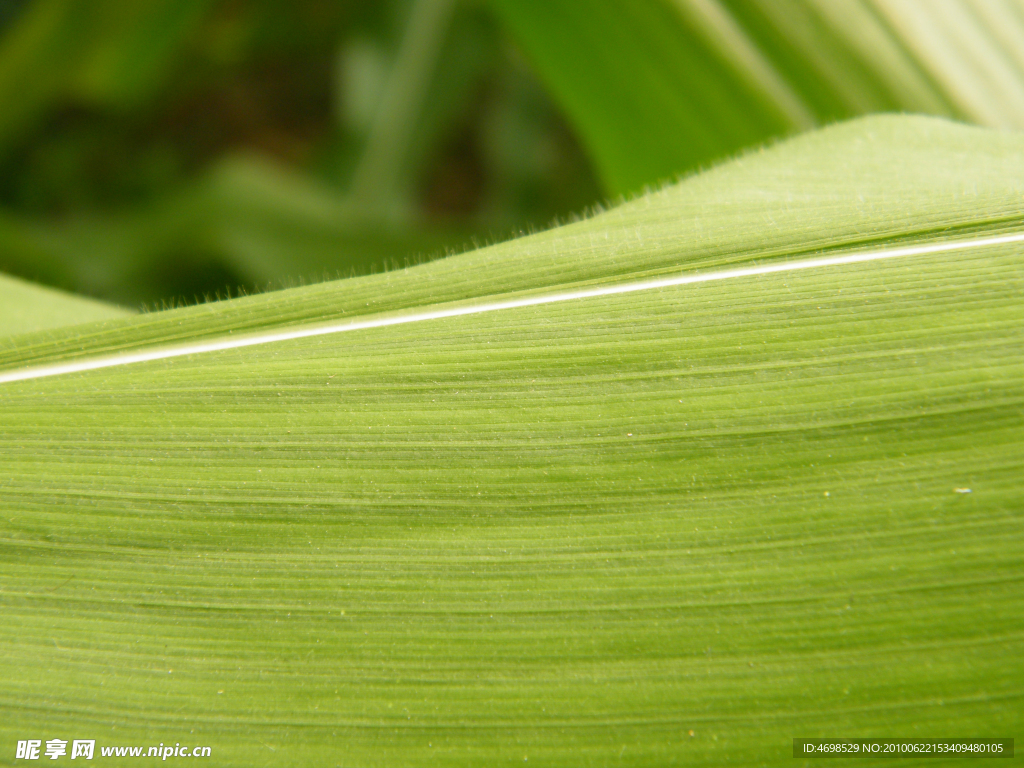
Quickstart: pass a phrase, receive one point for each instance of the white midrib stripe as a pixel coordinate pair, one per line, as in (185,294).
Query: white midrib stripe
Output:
(238,342)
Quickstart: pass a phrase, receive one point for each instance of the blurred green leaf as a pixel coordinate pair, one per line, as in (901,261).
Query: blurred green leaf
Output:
(38,54)
(134,45)
(660,87)
(570,532)
(111,51)
(25,307)
(650,96)
(446,54)
(249,222)
(402,100)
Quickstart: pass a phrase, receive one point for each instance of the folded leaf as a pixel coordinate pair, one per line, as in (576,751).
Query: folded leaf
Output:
(684,523)
(660,87)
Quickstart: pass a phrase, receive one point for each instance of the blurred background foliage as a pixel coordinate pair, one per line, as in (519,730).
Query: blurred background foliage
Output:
(154,152)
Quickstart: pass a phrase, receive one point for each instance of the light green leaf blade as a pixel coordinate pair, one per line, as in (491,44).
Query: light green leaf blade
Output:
(910,183)
(25,308)
(570,532)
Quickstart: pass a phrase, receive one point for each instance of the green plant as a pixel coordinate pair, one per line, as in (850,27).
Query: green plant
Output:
(680,524)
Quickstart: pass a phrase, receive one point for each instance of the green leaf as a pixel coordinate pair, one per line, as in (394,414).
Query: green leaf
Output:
(132,48)
(25,307)
(660,87)
(648,95)
(683,523)
(107,51)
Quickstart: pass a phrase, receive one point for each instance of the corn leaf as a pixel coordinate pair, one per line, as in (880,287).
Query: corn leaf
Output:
(545,511)
(660,87)
(25,307)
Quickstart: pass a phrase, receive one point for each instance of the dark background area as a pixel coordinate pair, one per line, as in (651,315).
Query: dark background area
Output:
(168,152)
(159,152)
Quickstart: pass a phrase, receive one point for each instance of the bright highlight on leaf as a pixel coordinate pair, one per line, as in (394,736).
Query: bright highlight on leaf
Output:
(684,524)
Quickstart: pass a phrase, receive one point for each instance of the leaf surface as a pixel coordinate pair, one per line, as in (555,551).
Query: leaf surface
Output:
(746,509)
